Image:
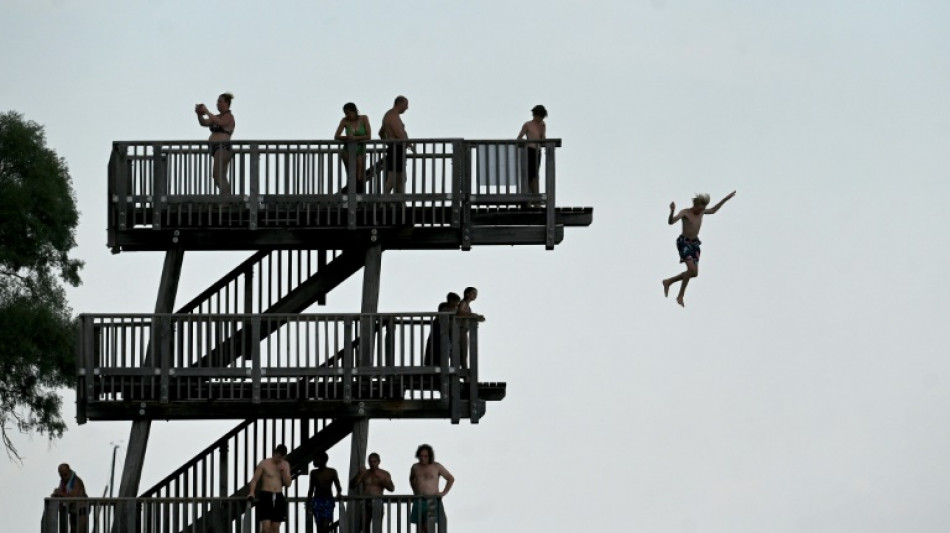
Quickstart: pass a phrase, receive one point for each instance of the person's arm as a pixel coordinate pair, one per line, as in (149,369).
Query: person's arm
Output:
(449,480)
(339,130)
(544,131)
(523,132)
(716,207)
(200,111)
(388,482)
(284,468)
(672,219)
(336,481)
(252,486)
(358,478)
(412,480)
(78,489)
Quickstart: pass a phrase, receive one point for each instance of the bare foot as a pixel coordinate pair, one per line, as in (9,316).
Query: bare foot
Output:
(679,300)
(666,288)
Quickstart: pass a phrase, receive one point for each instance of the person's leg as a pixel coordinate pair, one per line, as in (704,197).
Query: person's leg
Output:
(219,170)
(360,173)
(692,270)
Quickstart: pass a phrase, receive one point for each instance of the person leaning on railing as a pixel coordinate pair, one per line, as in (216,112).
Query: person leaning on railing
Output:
(71,486)
(222,127)
(357,128)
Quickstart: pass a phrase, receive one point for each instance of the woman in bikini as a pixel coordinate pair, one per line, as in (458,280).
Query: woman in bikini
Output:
(354,127)
(221,126)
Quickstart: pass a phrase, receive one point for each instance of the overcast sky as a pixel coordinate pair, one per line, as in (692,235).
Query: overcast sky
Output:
(806,385)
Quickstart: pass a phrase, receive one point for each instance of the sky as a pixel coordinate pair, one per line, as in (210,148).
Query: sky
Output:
(801,389)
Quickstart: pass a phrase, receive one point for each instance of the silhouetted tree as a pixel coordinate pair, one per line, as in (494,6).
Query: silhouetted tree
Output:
(38,219)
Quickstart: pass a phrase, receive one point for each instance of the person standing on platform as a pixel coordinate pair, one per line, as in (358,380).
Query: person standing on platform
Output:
(433,355)
(465,311)
(372,482)
(320,494)
(222,127)
(393,130)
(534,130)
(71,486)
(688,242)
(353,128)
(424,479)
(274,474)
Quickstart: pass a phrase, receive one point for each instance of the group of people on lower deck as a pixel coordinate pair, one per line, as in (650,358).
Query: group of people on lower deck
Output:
(425,478)
(461,306)
(354,129)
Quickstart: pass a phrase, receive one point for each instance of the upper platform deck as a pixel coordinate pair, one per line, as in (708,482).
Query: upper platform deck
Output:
(295,194)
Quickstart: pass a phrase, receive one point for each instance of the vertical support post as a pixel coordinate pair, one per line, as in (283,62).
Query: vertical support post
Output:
(455,381)
(359,438)
(254,200)
(455,185)
(161,340)
(138,436)
(115,171)
(159,185)
(85,361)
(549,198)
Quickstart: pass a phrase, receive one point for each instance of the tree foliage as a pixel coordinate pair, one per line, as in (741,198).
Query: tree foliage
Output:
(38,219)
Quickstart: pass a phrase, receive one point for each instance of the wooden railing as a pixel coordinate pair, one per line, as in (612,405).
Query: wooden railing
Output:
(384,514)
(168,184)
(267,358)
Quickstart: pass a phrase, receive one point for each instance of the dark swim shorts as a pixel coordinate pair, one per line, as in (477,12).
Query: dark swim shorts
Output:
(423,509)
(322,508)
(214,147)
(396,157)
(688,249)
(271,506)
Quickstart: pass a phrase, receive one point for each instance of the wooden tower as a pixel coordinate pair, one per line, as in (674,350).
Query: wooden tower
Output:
(243,349)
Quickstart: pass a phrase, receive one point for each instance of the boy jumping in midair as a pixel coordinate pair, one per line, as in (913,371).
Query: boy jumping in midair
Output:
(688,241)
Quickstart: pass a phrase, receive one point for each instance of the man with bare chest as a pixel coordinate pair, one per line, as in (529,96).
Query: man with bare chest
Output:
(424,478)
(320,494)
(393,131)
(688,242)
(534,129)
(372,482)
(273,474)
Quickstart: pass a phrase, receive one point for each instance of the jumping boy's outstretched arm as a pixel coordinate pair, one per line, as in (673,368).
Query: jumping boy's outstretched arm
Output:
(672,219)
(716,207)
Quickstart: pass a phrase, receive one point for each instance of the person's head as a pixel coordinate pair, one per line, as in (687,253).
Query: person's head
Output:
(64,470)
(453,297)
(470,293)
(373,461)
(224,102)
(539,112)
(321,459)
(280,450)
(401,104)
(700,201)
(425,454)
(350,110)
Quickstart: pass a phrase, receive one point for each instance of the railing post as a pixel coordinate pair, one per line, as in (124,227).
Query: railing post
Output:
(350,197)
(50,518)
(454,380)
(113,216)
(455,188)
(85,361)
(446,325)
(549,199)
(254,200)
(159,185)
(161,341)
(348,356)
(473,372)
(256,360)
(465,196)
(122,180)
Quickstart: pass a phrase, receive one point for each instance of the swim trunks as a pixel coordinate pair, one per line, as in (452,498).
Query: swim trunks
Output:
(424,508)
(688,249)
(396,157)
(534,162)
(271,506)
(322,508)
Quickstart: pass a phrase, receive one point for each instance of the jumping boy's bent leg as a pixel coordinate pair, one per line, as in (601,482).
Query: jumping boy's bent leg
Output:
(692,270)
